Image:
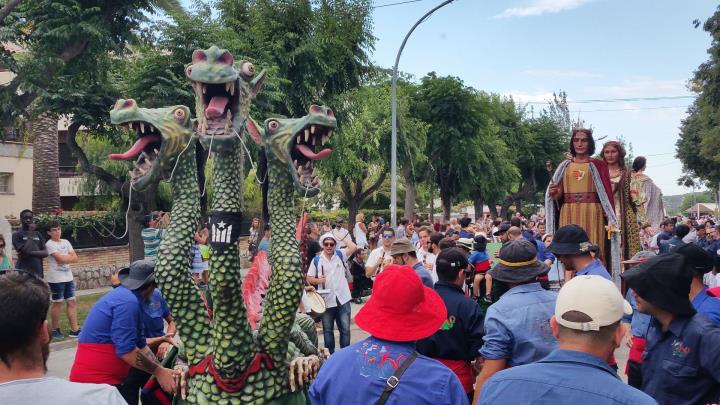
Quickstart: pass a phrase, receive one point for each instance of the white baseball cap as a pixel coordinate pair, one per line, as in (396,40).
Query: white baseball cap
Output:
(328,235)
(594,296)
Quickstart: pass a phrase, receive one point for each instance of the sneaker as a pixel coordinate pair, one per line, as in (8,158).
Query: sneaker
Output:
(74,334)
(487,299)
(56,334)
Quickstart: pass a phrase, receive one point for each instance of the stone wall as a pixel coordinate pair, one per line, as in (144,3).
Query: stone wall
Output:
(95,265)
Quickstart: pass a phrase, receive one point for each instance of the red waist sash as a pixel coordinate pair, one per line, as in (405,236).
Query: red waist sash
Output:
(98,363)
(463,371)
(580,198)
(637,349)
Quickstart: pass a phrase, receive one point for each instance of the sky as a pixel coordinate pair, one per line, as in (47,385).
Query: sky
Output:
(591,49)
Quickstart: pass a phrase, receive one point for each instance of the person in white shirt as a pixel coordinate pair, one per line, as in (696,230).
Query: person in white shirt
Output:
(380,257)
(360,231)
(327,272)
(340,234)
(25,349)
(425,252)
(60,279)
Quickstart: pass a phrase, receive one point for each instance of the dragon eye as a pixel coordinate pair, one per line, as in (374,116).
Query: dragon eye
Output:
(226,57)
(128,103)
(198,56)
(248,69)
(179,114)
(273,125)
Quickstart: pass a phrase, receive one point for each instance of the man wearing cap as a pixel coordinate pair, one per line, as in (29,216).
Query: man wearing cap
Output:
(459,339)
(571,246)
(400,311)
(517,326)
(403,253)
(501,233)
(587,325)
(112,338)
(327,273)
(698,262)
(681,364)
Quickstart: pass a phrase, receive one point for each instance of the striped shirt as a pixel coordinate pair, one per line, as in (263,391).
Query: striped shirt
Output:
(151,239)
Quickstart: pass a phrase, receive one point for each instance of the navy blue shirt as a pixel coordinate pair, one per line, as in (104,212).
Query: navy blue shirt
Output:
(116,319)
(517,326)
(708,306)
(670,245)
(595,268)
(713,248)
(356,375)
(461,336)
(682,364)
(563,377)
(154,314)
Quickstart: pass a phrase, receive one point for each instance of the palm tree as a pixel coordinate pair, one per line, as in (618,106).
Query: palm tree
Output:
(46,165)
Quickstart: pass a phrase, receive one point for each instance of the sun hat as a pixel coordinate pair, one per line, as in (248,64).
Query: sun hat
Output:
(401,308)
(327,236)
(518,263)
(137,275)
(400,246)
(571,240)
(465,243)
(594,296)
(664,282)
(696,258)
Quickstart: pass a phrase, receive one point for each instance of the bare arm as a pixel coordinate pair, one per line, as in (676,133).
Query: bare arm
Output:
(363,227)
(71,257)
(489,368)
(172,326)
(351,248)
(144,359)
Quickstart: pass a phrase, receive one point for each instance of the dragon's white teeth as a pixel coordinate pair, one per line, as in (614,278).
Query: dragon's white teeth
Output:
(152,128)
(307,134)
(313,140)
(157,152)
(312,129)
(296,163)
(232,88)
(142,127)
(297,139)
(130,126)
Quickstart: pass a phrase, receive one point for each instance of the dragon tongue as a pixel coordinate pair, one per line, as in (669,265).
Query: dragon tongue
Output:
(216,107)
(135,150)
(308,153)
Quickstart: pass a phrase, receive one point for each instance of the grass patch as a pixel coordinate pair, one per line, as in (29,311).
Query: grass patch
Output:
(84,303)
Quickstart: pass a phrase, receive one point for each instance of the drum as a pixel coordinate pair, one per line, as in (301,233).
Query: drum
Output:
(317,304)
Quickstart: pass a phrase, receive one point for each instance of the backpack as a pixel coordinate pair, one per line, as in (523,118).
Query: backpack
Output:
(338,253)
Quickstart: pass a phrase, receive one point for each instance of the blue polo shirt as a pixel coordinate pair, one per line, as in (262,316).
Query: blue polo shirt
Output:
(682,364)
(708,306)
(517,326)
(154,314)
(563,377)
(357,375)
(116,319)
(639,322)
(424,275)
(595,268)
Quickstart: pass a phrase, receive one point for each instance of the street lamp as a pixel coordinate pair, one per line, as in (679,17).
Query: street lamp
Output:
(393,146)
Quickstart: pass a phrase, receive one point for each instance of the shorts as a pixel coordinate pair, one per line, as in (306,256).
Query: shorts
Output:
(62,291)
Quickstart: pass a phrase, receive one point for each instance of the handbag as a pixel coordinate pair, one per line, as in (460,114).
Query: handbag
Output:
(394,379)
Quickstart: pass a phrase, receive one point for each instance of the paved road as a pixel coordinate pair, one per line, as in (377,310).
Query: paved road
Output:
(63,354)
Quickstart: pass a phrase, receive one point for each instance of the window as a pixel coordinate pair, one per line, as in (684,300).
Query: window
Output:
(6,183)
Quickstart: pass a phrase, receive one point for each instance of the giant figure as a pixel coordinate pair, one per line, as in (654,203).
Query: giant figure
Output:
(580,193)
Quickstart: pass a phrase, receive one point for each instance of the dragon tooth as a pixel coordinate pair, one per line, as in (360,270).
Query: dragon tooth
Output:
(157,152)
(307,135)
(227,87)
(313,140)
(232,89)
(295,162)
(312,129)
(130,125)
(297,139)
(151,128)
(142,127)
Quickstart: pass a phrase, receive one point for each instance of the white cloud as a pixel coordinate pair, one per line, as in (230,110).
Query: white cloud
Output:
(529,97)
(539,7)
(575,74)
(642,87)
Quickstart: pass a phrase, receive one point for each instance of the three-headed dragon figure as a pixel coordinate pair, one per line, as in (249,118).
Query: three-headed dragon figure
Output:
(228,361)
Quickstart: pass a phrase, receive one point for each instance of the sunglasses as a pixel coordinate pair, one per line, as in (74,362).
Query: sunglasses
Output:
(328,244)
(388,236)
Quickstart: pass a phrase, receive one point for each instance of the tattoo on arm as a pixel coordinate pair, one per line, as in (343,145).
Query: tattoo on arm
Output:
(145,360)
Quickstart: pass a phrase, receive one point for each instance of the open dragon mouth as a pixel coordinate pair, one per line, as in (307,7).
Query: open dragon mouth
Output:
(219,105)
(146,149)
(307,147)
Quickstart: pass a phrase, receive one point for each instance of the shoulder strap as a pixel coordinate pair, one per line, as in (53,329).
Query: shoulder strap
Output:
(394,379)
(316,260)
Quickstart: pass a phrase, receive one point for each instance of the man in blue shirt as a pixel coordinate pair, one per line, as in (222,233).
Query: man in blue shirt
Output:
(670,245)
(681,364)
(403,253)
(517,326)
(458,341)
(400,311)
(698,262)
(587,324)
(571,245)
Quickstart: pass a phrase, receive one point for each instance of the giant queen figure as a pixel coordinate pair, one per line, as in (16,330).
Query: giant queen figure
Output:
(580,192)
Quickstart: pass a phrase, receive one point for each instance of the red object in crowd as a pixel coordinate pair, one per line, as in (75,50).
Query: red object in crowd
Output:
(714,292)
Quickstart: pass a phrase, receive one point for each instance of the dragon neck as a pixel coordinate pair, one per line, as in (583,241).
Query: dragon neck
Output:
(285,289)
(172,268)
(232,338)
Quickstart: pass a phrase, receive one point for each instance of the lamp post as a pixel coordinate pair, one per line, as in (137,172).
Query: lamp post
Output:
(393,142)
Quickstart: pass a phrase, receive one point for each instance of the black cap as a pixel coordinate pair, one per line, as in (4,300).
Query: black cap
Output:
(696,258)
(570,240)
(503,228)
(451,258)
(137,275)
(664,282)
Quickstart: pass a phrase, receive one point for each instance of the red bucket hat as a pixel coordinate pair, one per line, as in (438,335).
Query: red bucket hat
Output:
(401,308)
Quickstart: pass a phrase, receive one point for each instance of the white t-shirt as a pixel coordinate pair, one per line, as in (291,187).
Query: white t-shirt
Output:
(360,237)
(58,273)
(56,391)
(336,286)
(341,235)
(376,254)
(427,257)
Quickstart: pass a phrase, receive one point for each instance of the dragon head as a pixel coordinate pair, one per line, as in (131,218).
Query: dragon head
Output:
(297,142)
(223,91)
(162,134)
